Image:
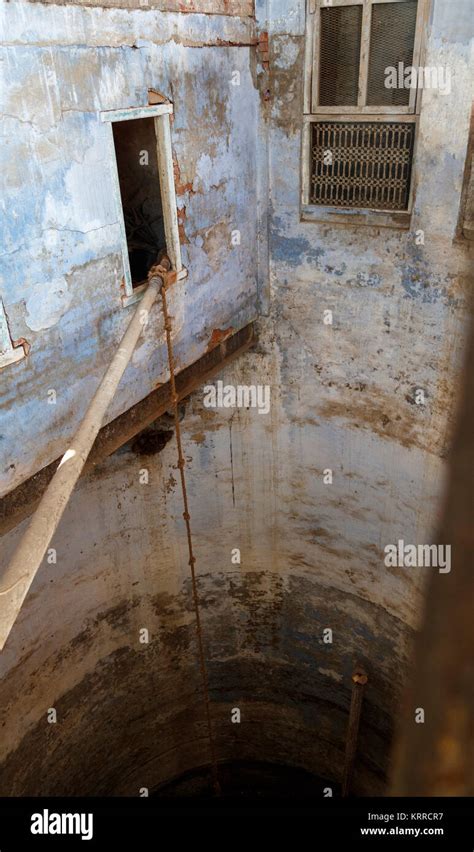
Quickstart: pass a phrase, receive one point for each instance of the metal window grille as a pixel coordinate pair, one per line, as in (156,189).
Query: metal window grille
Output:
(392,39)
(340,55)
(361,164)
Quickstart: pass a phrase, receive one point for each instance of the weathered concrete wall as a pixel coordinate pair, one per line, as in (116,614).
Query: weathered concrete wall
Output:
(209,7)
(399,314)
(346,391)
(62,267)
(312,554)
(139,706)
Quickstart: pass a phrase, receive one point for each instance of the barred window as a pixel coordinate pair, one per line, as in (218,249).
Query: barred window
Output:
(361,103)
(370,164)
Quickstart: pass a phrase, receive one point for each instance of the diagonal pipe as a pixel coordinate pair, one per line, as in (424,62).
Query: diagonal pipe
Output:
(27,558)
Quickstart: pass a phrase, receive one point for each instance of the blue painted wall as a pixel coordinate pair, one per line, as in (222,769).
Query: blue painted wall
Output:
(61,264)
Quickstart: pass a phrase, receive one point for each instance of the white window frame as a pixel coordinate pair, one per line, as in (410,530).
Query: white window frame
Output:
(313,111)
(161,115)
(11,351)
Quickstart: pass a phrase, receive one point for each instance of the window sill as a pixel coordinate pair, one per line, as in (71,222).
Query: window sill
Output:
(12,356)
(399,220)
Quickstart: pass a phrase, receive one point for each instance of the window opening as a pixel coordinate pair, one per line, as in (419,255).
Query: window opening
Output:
(140,192)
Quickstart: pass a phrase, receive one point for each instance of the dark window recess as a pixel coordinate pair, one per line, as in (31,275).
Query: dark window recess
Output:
(361,164)
(137,163)
(392,39)
(340,55)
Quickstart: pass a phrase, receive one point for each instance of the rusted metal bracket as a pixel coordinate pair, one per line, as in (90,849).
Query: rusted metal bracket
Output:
(11,350)
(162,270)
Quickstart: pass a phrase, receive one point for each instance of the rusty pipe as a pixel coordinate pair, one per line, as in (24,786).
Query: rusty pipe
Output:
(359,680)
(27,558)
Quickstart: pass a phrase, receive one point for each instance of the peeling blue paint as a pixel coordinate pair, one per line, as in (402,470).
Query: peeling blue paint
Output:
(294,250)
(60,219)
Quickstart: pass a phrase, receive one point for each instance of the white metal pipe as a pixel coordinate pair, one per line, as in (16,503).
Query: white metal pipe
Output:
(16,581)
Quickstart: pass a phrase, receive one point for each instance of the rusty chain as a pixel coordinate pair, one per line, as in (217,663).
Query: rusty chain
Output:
(162,270)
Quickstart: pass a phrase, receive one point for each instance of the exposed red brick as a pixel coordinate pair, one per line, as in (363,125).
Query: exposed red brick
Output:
(263,50)
(181,220)
(234,8)
(181,188)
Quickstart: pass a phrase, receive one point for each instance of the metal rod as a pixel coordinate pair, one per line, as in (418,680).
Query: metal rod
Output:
(359,680)
(16,581)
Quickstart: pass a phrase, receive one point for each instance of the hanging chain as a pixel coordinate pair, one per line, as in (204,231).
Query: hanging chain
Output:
(167,277)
